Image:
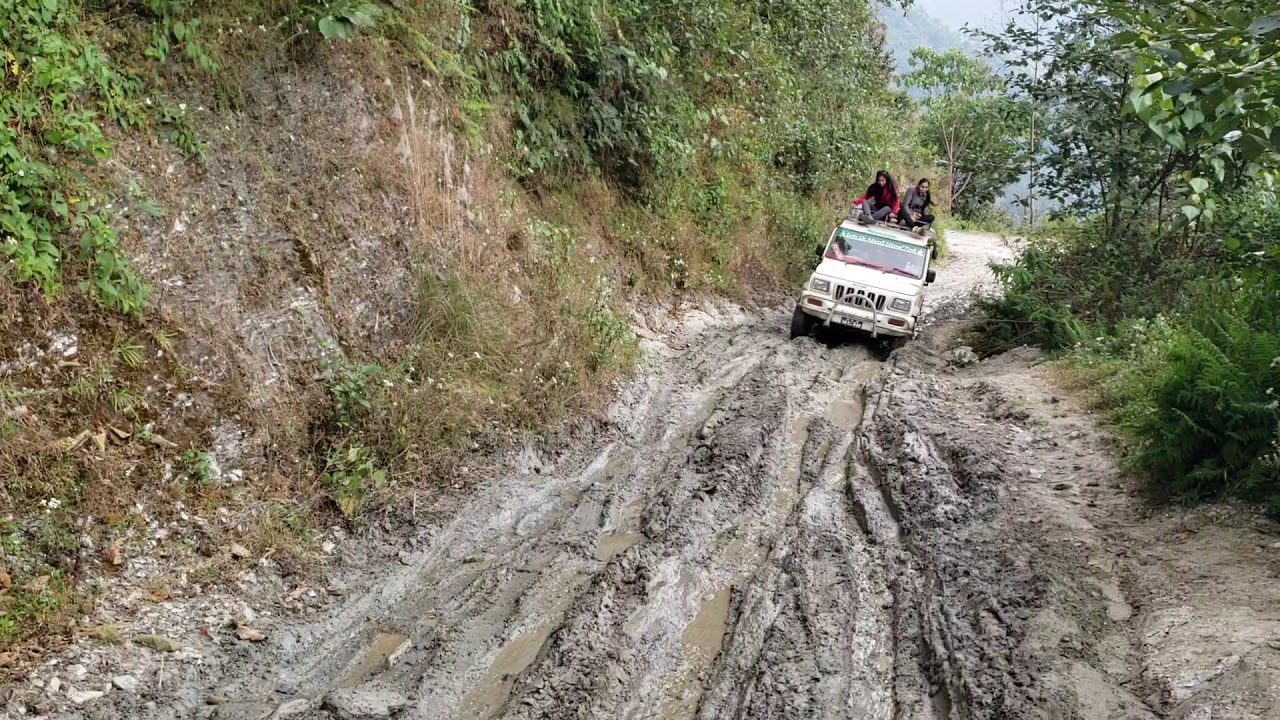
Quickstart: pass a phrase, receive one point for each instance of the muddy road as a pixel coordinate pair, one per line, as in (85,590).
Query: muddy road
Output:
(735,551)
(773,529)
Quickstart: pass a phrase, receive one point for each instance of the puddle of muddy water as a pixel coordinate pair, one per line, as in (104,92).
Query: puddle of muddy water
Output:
(491,691)
(701,640)
(490,694)
(705,632)
(846,412)
(613,544)
(380,655)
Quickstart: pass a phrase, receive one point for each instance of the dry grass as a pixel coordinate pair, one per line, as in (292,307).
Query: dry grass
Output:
(439,182)
(515,325)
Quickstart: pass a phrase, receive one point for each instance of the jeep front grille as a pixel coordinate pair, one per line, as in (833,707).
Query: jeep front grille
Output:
(873,298)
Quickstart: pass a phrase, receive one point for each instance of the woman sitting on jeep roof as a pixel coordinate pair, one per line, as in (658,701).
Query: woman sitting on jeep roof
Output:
(915,206)
(880,201)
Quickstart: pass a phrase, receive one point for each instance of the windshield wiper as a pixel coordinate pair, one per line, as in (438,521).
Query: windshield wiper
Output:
(864,263)
(903,273)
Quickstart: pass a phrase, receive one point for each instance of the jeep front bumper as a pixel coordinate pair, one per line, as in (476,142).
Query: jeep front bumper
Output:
(857,317)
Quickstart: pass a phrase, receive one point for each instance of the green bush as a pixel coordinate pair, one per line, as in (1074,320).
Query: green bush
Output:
(1191,387)
(646,91)
(796,228)
(1034,306)
(1212,415)
(58,87)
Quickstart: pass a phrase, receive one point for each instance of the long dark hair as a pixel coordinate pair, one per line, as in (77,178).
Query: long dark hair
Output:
(928,196)
(888,194)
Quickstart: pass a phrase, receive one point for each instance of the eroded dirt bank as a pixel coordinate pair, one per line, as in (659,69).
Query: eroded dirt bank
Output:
(773,529)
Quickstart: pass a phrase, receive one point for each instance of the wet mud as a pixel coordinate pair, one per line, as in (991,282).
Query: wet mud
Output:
(777,529)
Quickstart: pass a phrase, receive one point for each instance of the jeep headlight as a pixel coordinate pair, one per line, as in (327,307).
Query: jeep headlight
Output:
(820,285)
(901,305)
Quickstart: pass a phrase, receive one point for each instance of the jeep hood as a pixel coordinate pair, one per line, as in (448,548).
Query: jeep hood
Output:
(868,277)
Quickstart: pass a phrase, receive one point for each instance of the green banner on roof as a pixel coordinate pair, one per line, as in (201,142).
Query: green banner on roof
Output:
(848,234)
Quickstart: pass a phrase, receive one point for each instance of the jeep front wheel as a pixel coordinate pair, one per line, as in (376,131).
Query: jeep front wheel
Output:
(801,323)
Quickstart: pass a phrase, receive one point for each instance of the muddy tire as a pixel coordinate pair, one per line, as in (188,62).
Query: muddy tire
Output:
(801,323)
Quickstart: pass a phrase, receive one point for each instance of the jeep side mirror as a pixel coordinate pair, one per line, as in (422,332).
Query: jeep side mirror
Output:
(818,252)
(929,277)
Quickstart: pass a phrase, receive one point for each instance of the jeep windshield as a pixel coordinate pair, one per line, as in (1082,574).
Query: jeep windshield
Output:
(879,253)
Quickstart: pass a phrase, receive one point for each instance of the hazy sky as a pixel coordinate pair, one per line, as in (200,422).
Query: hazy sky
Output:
(957,13)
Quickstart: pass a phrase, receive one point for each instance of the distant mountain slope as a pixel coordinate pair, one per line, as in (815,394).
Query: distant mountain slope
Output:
(906,32)
(973,13)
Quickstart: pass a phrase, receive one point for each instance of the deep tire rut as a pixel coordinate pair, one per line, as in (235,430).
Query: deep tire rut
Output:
(775,530)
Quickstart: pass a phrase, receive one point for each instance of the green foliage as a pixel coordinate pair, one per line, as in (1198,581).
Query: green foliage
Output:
(1193,389)
(587,302)
(1205,82)
(642,91)
(1033,306)
(1064,288)
(199,466)
(1090,156)
(1162,120)
(349,386)
(174,29)
(340,18)
(610,341)
(30,611)
(1212,415)
(351,475)
(58,88)
(795,229)
(971,125)
(1194,394)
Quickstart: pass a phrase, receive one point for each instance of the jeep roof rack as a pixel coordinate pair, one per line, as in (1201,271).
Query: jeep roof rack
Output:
(899,233)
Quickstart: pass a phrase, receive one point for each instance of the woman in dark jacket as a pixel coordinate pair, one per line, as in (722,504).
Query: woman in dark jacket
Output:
(880,201)
(915,206)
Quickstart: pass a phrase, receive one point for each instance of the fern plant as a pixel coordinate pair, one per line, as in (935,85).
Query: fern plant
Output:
(1212,419)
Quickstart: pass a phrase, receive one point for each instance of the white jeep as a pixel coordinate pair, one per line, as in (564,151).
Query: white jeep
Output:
(871,278)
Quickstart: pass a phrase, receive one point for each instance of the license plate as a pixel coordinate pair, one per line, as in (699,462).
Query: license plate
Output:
(850,322)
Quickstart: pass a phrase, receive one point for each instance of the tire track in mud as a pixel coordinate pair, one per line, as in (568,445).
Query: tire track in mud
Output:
(715,574)
(531,583)
(641,642)
(777,530)
(703,564)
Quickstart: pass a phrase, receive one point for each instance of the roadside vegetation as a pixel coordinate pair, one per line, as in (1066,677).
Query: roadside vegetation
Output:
(1158,281)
